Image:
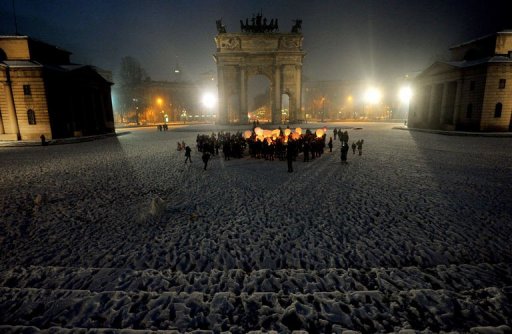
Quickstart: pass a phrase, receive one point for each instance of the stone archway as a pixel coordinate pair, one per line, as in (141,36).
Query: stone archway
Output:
(259,50)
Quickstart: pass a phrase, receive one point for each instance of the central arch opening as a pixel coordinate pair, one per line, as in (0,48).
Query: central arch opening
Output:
(259,99)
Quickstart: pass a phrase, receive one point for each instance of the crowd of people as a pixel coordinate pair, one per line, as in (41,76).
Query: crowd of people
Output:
(281,145)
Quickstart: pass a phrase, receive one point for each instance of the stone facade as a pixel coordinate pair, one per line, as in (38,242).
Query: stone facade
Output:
(277,56)
(42,93)
(472,91)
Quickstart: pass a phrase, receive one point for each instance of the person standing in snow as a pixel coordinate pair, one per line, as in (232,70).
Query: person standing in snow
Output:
(354,148)
(206,157)
(360,146)
(289,156)
(330,144)
(187,154)
(344,150)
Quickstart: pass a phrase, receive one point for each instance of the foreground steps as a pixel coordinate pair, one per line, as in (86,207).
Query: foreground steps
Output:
(441,298)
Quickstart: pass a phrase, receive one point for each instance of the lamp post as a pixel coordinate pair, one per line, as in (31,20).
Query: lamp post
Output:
(160,102)
(372,97)
(323,108)
(405,95)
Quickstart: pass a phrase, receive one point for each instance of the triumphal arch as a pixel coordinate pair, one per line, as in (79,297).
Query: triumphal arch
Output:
(259,49)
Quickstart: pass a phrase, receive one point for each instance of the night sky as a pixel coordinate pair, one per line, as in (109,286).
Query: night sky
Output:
(344,40)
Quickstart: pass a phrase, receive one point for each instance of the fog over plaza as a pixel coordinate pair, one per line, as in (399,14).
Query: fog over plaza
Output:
(344,40)
(106,227)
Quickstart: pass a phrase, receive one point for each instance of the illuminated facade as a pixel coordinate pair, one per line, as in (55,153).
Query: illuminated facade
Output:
(43,93)
(259,50)
(472,91)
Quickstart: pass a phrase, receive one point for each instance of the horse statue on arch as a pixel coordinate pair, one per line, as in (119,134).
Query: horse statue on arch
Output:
(221,29)
(297,27)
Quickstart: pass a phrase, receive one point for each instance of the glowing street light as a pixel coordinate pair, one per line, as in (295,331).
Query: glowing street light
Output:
(372,96)
(405,94)
(209,100)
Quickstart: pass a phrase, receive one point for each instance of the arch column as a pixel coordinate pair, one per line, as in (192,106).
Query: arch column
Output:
(298,94)
(276,96)
(242,114)
(222,109)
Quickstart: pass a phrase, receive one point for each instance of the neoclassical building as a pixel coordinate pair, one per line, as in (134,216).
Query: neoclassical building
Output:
(472,91)
(43,93)
(259,49)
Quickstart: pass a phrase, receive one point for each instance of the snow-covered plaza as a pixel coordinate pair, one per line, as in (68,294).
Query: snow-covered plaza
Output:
(119,233)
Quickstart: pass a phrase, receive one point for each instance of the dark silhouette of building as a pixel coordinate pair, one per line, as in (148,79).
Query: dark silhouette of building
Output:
(472,91)
(43,93)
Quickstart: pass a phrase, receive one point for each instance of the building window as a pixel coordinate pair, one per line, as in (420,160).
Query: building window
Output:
(26,90)
(472,85)
(502,83)
(31,116)
(497,110)
(469,111)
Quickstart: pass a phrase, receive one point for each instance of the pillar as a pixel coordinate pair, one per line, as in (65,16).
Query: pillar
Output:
(443,103)
(297,113)
(457,107)
(222,105)
(242,114)
(276,100)
(11,108)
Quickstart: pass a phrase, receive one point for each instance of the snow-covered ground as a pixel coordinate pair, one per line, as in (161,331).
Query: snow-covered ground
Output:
(413,235)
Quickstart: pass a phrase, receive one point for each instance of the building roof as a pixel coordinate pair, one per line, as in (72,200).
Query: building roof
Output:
(21,63)
(507,31)
(34,40)
(469,63)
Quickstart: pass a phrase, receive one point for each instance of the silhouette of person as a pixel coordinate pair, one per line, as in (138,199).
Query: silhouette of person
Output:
(206,157)
(187,154)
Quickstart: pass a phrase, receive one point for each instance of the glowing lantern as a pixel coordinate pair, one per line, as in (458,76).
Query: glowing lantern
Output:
(285,139)
(299,131)
(295,136)
(319,133)
(269,140)
(274,137)
(247,134)
(258,131)
(276,132)
(287,132)
(267,133)
(260,138)
(325,129)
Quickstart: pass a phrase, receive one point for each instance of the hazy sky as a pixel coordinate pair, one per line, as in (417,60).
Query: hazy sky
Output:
(367,39)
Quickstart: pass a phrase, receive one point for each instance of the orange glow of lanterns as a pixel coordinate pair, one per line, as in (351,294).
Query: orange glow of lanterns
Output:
(299,131)
(247,134)
(319,133)
(258,131)
(287,132)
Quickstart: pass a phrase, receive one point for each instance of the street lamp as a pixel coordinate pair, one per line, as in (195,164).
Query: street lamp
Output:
(372,96)
(209,101)
(160,102)
(405,95)
(323,108)
(351,106)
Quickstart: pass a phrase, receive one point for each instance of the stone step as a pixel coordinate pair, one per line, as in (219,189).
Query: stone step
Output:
(319,312)
(387,280)
(76,330)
